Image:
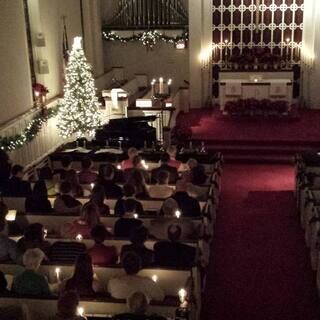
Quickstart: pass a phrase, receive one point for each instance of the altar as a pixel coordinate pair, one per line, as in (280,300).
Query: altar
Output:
(258,85)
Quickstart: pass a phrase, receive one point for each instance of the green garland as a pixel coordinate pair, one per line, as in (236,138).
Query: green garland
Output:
(32,129)
(148,38)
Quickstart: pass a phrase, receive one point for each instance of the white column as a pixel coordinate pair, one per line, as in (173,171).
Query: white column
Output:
(195,43)
(200,33)
(92,35)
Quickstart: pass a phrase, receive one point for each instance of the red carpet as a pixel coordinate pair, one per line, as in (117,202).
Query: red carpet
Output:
(260,267)
(209,125)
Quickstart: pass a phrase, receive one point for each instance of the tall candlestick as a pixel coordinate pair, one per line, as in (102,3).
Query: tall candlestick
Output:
(161,85)
(287,49)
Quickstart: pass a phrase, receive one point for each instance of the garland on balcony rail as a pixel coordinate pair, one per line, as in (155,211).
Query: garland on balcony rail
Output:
(148,38)
(17,141)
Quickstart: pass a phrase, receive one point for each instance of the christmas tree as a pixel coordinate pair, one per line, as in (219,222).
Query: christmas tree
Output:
(79,109)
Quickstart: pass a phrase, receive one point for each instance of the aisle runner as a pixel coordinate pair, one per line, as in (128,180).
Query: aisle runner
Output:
(261,267)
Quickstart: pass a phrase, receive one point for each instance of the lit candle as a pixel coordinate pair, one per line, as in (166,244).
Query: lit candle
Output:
(161,85)
(153,82)
(92,185)
(135,215)
(178,214)
(80,311)
(11,215)
(169,86)
(143,163)
(155,278)
(37,93)
(79,237)
(182,295)
(287,49)
(119,167)
(58,271)
(45,233)
(226,52)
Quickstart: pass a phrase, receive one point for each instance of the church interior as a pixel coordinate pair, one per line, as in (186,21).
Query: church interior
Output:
(160,160)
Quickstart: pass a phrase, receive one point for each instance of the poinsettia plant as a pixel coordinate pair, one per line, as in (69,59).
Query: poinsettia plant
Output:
(40,88)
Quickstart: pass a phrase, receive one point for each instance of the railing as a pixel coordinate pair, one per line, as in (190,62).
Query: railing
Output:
(45,142)
(149,13)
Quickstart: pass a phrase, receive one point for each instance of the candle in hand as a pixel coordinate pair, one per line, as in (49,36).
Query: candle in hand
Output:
(79,237)
(182,295)
(58,271)
(178,214)
(155,278)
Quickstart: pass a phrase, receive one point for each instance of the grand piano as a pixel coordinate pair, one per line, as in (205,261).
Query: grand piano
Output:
(134,131)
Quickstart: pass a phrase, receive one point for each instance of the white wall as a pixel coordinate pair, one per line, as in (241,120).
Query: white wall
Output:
(15,78)
(311,54)
(164,60)
(46,17)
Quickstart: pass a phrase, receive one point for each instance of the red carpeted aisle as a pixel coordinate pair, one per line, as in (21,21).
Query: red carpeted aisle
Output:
(260,266)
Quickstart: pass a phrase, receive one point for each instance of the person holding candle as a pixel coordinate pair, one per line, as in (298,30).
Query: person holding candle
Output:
(83,280)
(128,163)
(161,190)
(30,282)
(67,306)
(173,253)
(65,203)
(138,305)
(97,197)
(124,286)
(173,162)
(87,175)
(101,254)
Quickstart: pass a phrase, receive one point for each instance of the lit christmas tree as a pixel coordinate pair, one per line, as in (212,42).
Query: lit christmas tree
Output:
(79,109)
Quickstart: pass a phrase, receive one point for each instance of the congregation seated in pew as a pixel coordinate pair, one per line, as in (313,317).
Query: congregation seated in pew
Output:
(173,162)
(101,254)
(128,222)
(128,193)
(138,308)
(34,237)
(161,190)
(159,226)
(106,179)
(16,186)
(73,178)
(38,200)
(124,286)
(66,165)
(8,248)
(30,282)
(87,175)
(138,238)
(173,253)
(65,202)
(138,164)
(97,198)
(165,166)
(138,181)
(128,163)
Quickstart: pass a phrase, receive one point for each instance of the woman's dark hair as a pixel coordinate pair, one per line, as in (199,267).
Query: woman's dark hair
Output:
(34,232)
(83,274)
(139,236)
(198,175)
(136,179)
(129,190)
(98,195)
(99,233)
(40,189)
(45,173)
(3,282)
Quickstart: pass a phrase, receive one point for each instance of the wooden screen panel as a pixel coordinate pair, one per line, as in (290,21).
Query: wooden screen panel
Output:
(246,24)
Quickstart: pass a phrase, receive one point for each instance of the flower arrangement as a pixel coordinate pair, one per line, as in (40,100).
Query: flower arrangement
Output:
(256,107)
(256,58)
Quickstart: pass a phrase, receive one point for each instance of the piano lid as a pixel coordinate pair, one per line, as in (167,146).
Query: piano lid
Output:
(133,120)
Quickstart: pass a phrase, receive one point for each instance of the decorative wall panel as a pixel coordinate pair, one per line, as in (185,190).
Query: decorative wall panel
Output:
(242,25)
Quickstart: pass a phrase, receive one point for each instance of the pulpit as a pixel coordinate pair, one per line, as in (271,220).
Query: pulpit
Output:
(116,103)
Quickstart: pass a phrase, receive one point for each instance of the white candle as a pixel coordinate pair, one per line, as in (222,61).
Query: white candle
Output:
(287,49)
(161,85)
(153,82)
(178,214)
(92,185)
(80,311)
(58,271)
(119,167)
(169,86)
(135,215)
(79,237)
(226,52)
(155,278)
(182,295)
